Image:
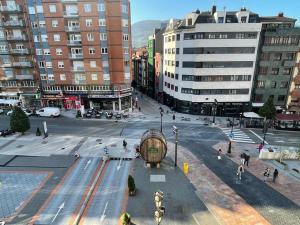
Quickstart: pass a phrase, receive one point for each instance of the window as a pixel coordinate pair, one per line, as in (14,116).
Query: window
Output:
(258,98)
(104,50)
(47,51)
(103,36)
(125,37)
(273,84)
(60,64)
(56,37)
(177,63)
(39,9)
(54,23)
(101,7)
(124,23)
(190,22)
(91,51)
(39,51)
(124,8)
(290,56)
(177,51)
(126,50)
(36,38)
(90,37)
(281,98)
(260,84)
(178,37)
(173,37)
(34,25)
(284,84)
(43,77)
(102,22)
(244,19)
(287,71)
(41,64)
(87,8)
(94,76)
(220,19)
(93,64)
(44,37)
(52,8)
(62,76)
(31,10)
(49,64)
(88,22)
(104,63)
(176,76)
(42,23)
(126,63)
(277,56)
(176,88)
(58,51)
(275,71)
(50,77)
(263,70)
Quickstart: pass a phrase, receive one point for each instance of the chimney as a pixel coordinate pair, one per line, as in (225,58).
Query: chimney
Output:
(280,14)
(213,9)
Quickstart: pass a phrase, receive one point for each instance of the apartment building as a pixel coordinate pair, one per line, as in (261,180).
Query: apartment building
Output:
(83,52)
(18,72)
(140,65)
(209,61)
(276,61)
(293,102)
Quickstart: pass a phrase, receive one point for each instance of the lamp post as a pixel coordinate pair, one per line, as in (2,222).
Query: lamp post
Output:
(161,116)
(241,114)
(175,131)
(232,124)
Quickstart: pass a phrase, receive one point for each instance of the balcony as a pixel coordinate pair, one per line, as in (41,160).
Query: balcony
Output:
(19,51)
(14,23)
(72,29)
(68,1)
(78,69)
(70,15)
(289,63)
(3,52)
(17,8)
(73,42)
(24,77)
(76,56)
(22,64)
(16,38)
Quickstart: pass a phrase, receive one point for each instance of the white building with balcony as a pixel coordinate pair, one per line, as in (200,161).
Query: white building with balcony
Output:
(209,61)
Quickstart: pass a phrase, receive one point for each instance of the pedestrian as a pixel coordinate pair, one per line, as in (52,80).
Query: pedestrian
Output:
(124,144)
(229,148)
(139,108)
(266,174)
(275,175)
(239,172)
(260,147)
(106,150)
(76,155)
(219,154)
(243,159)
(247,159)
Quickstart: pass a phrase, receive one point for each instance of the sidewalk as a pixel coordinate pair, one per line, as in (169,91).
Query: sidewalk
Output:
(285,184)
(227,207)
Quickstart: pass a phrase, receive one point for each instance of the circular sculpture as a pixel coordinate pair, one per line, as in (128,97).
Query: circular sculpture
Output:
(153,146)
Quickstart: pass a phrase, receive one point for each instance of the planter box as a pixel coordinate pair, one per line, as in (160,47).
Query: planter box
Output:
(280,165)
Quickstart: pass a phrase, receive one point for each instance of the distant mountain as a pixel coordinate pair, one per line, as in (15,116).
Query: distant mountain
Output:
(142,30)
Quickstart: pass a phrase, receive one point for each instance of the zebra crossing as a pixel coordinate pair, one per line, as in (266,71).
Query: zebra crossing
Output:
(237,135)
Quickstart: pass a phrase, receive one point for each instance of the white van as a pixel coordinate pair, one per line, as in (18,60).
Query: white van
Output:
(48,112)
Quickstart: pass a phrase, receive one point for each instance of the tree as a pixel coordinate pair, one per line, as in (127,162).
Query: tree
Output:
(268,110)
(19,121)
(125,219)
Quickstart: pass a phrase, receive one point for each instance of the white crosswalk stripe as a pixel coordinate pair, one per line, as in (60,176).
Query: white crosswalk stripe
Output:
(238,135)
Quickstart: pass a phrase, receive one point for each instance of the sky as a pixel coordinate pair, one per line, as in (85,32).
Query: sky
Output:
(166,9)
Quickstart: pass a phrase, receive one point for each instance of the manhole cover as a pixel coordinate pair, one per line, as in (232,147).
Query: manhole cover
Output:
(20,146)
(44,142)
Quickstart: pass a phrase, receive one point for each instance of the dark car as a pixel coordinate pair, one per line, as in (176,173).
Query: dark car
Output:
(118,116)
(109,115)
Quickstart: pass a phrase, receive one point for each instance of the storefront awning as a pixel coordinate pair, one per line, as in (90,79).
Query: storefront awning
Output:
(254,104)
(251,115)
(9,101)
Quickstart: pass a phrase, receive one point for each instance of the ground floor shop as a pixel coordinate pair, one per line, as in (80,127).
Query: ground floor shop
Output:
(228,109)
(112,103)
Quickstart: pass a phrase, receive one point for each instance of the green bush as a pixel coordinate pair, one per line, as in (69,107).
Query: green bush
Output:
(125,219)
(19,121)
(131,184)
(38,132)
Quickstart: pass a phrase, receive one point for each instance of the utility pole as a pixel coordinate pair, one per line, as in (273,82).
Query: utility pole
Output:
(161,116)
(175,131)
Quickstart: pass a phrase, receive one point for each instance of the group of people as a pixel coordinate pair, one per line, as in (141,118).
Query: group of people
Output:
(267,174)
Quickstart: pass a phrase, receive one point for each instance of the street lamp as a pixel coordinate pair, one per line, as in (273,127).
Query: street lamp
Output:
(175,131)
(241,114)
(161,116)
(232,125)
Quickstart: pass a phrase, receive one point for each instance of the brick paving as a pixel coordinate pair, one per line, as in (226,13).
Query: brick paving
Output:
(227,206)
(287,186)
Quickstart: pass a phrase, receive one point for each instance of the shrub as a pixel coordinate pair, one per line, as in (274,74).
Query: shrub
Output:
(131,184)
(19,121)
(125,219)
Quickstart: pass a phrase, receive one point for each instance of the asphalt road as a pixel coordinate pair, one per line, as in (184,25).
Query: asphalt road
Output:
(105,207)
(67,199)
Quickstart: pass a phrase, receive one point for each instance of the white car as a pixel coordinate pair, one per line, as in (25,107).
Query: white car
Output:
(9,112)
(48,112)
(28,112)
(1,111)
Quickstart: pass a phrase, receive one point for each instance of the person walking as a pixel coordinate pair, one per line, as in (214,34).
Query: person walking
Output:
(260,147)
(240,170)
(266,174)
(247,159)
(124,144)
(219,154)
(275,175)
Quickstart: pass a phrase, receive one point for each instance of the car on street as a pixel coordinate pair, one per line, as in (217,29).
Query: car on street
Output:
(28,112)
(48,112)
(1,111)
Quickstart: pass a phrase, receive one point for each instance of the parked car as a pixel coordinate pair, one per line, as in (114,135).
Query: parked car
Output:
(1,111)
(109,115)
(98,114)
(48,112)
(118,116)
(6,132)
(28,112)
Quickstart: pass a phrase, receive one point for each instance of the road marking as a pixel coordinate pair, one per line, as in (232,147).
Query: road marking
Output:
(87,164)
(119,166)
(103,213)
(59,209)
(258,136)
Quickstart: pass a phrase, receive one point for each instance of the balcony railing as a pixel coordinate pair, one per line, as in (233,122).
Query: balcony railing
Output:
(14,23)
(78,69)
(72,29)
(17,8)
(68,1)
(24,77)
(3,51)
(19,51)
(70,15)
(76,56)
(22,64)
(72,42)
(16,38)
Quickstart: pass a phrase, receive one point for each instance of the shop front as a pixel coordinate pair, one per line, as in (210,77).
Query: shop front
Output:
(55,100)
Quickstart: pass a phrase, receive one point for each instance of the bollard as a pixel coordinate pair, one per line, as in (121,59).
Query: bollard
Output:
(185,168)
